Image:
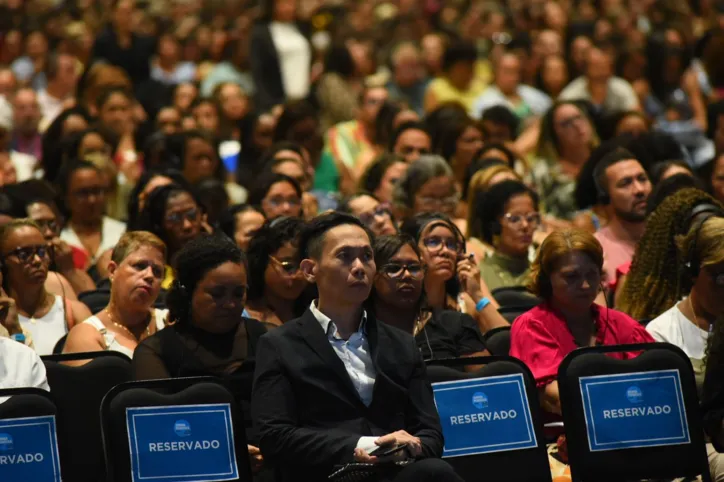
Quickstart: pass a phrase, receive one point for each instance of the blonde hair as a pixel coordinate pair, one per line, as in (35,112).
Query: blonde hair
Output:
(557,245)
(132,241)
(704,242)
(479,183)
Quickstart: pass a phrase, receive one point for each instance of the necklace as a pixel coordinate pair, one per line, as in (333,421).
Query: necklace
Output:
(696,318)
(125,328)
(32,318)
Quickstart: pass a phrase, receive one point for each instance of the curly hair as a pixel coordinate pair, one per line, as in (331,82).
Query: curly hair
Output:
(657,278)
(193,262)
(268,240)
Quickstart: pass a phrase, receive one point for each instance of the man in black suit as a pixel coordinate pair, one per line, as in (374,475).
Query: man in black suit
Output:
(335,384)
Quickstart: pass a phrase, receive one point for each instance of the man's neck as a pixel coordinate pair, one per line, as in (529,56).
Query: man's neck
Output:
(623,230)
(404,319)
(346,318)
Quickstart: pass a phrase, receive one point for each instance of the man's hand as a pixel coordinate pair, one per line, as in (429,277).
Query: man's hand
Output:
(63,256)
(255,457)
(413,449)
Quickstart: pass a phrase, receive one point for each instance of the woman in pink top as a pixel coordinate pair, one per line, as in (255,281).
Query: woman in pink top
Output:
(566,274)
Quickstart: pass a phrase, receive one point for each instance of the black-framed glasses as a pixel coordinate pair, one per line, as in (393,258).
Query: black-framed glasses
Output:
(289,267)
(569,122)
(436,243)
(532,219)
(26,253)
(278,201)
(397,270)
(379,211)
(179,217)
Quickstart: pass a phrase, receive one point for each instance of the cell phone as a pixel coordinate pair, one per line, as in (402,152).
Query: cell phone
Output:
(385,450)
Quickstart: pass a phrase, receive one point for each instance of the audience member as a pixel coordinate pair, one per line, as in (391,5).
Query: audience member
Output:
(376,216)
(276,195)
(240,222)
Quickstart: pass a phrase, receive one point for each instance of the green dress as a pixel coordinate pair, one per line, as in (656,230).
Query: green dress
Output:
(501,271)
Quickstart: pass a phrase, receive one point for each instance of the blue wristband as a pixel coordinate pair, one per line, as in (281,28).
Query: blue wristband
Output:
(480,306)
(19,337)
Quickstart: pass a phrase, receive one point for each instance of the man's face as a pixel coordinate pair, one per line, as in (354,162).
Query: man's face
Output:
(599,67)
(26,112)
(67,73)
(346,268)
(411,144)
(629,188)
(200,160)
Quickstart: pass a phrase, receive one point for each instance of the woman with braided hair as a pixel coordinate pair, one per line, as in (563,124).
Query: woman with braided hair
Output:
(657,279)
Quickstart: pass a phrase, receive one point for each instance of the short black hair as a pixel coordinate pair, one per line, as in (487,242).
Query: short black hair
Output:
(500,114)
(294,112)
(459,52)
(372,177)
(133,210)
(192,262)
(152,217)
(227,220)
(265,182)
(617,155)
(407,126)
(271,237)
(213,197)
(491,205)
(311,239)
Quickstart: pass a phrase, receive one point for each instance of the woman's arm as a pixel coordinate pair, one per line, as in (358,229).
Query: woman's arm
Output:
(80,313)
(550,398)
(696,99)
(82,339)
(147,364)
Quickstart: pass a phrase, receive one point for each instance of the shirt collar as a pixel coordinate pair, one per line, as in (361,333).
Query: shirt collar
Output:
(328,325)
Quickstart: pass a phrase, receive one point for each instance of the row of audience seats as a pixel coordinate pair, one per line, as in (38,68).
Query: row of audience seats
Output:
(93,448)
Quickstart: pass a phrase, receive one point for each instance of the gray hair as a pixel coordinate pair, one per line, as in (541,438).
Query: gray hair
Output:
(428,166)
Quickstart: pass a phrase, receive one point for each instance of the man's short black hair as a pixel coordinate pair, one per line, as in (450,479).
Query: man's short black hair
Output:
(500,114)
(614,157)
(311,239)
(459,51)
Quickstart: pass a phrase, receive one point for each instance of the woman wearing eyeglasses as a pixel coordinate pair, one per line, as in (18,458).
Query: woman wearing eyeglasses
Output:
(25,262)
(398,299)
(276,195)
(207,335)
(452,279)
(84,201)
(373,214)
(173,214)
(509,218)
(275,281)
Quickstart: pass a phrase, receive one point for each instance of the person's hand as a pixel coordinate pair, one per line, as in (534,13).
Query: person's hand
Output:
(9,314)
(62,255)
(413,449)
(256,459)
(310,206)
(469,275)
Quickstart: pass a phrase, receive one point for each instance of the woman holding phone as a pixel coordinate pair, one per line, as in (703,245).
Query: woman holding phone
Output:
(452,279)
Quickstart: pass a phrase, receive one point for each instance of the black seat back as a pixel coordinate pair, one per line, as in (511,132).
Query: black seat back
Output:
(130,434)
(490,447)
(632,419)
(78,392)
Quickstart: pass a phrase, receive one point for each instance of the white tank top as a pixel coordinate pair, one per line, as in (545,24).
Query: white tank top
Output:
(46,331)
(109,337)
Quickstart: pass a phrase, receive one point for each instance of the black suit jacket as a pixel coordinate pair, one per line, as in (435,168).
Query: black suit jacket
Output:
(309,414)
(265,69)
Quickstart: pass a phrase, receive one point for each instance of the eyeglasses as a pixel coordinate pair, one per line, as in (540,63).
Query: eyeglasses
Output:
(369,218)
(26,253)
(567,123)
(179,217)
(50,224)
(396,270)
(289,267)
(515,220)
(85,193)
(277,202)
(436,243)
(436,202)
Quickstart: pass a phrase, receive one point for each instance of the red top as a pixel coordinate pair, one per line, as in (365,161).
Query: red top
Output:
(80,258)
(541,338)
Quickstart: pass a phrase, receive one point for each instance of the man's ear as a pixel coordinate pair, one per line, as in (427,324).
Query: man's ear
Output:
(309,270)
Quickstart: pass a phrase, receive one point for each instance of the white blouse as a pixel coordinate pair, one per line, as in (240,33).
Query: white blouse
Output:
(295,59)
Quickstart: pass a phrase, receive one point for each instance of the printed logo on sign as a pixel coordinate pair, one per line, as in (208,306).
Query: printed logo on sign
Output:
(182,428)
(6,442)
(634,394)
(480,400)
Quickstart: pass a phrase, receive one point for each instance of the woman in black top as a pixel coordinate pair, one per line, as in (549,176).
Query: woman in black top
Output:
(207,335)
(398,299)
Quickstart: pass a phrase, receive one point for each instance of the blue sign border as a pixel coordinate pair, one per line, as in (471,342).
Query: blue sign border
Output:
(133,412)
(48,420)
(595,446)
(517,379)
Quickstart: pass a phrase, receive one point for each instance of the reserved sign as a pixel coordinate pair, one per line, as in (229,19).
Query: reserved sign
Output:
(484,415)
(634,410)
(29,450)
(189,443)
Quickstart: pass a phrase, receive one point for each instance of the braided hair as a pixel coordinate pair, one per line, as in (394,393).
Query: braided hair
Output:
(193,262)
(657,279)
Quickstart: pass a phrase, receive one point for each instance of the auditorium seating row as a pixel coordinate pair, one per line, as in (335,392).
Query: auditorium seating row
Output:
(624,420)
